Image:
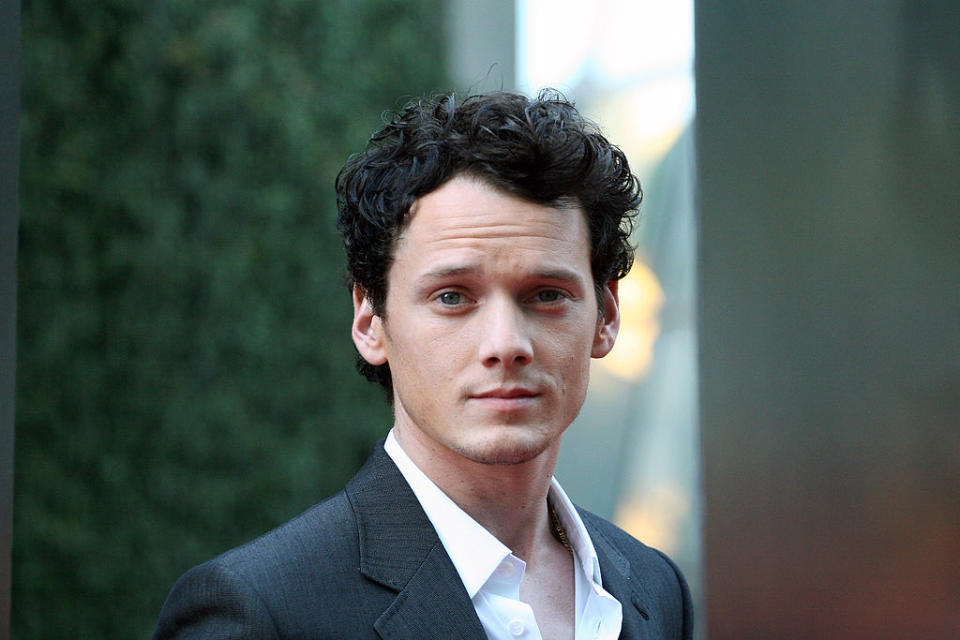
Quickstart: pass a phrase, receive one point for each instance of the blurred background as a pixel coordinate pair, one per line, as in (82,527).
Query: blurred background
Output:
(783,399)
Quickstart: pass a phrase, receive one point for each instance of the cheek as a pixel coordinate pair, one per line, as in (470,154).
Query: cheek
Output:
(428,354)
(570,358)
(573,340)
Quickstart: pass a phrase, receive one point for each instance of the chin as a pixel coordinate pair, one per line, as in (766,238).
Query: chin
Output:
(505,448)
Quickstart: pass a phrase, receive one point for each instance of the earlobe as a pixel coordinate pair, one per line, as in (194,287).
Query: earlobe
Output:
(367,329)
(608,325)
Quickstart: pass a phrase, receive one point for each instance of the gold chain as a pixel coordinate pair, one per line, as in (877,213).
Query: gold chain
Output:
(558,531)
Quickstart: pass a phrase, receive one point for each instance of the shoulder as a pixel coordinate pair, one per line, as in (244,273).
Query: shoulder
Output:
(271,586)
(325,530)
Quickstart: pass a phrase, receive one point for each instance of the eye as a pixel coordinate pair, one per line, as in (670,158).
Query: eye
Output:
(548,295)
(450,298)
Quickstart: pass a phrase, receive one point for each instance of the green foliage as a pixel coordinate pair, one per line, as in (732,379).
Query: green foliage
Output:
(185,371)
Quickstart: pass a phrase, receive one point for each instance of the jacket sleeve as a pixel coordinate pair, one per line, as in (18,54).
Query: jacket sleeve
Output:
(211,601)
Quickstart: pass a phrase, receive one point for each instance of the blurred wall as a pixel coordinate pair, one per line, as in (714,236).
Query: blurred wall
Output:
(828,150)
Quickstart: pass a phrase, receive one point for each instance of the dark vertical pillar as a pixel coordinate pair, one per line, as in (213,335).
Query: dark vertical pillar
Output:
(829,279)
(9,176)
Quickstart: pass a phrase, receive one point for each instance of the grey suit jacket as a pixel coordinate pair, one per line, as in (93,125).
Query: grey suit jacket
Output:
(367,563)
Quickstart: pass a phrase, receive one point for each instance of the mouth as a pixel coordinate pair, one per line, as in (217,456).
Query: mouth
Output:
(506,398)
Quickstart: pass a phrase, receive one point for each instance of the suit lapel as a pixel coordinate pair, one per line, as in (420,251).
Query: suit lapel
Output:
(432,606)
(399,548)
(615,572)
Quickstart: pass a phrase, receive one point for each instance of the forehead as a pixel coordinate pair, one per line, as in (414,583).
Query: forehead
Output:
(467,214)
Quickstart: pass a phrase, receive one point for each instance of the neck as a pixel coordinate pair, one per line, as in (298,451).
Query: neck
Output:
(508,500)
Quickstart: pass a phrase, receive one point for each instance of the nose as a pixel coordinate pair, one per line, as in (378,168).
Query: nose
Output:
(505,337)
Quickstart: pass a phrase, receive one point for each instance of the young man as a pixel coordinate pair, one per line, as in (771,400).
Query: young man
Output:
(485,241)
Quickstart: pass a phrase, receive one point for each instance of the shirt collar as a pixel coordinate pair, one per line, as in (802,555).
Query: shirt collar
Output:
(576,531)
(475,552)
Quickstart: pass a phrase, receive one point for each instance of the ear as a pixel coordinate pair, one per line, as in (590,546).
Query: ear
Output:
(609,324)
(367,329)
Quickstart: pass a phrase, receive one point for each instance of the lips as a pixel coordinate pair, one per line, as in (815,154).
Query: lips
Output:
(515,392)
(506,398)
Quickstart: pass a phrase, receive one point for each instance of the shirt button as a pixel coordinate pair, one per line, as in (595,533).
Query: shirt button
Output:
(505,569)
(516,627)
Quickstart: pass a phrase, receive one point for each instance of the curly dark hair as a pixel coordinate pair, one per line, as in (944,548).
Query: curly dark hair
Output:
(541,150)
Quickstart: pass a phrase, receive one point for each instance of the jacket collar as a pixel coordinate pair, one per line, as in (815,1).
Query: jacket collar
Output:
(617,580)
(400,549)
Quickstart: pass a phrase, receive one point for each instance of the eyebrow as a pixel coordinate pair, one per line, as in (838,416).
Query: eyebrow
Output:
(554,273)
(564,275)
(446,272)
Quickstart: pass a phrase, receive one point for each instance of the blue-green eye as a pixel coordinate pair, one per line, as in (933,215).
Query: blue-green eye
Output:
(450,298)
(548,295)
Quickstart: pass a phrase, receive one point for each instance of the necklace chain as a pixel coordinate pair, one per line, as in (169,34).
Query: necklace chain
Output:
(558,531)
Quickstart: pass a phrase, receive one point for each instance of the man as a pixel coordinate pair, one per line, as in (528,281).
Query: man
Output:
(485,240)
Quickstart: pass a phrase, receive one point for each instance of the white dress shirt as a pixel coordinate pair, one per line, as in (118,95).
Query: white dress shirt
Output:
(492,574)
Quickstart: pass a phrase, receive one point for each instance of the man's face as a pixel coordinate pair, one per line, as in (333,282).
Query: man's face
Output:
(491,320)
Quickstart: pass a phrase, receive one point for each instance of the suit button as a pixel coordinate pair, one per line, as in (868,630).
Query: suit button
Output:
(516,627)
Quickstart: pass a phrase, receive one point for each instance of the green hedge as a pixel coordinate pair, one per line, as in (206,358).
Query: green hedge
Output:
(185,372)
